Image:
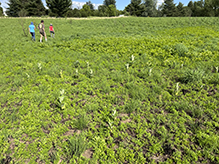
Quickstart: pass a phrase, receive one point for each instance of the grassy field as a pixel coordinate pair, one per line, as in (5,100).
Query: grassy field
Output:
(126,90)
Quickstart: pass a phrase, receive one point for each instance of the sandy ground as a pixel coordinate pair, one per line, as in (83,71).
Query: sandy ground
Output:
(89,18)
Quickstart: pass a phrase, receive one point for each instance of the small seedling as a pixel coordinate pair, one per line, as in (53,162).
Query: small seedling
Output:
(28,76)
(61,99)
(150,71)
(77,63)
(76,73)
(133,57)
(39,66)
(216,68)
(87,64)
(127,67)
(61,75)
(177,88)
(91,72)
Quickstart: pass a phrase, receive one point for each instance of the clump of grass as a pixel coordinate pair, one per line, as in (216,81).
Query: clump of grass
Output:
(75,146)
(131,106)
(190,76)
(181,49)
(82,122)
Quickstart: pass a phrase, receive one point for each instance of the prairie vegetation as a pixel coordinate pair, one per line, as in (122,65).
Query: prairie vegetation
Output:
(126,90)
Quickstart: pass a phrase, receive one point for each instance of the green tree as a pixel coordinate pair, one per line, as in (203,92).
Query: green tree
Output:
(13,8)
(35,8)
(191,7)
(1,10)
(198,8)
(85,11)
(31,8)
(150,8)
(211,7)
(111,10)
(169,8)
(187,11)
(135,8)
(90,5)
(102,10)
(59,7)
(109,2)
(180,10)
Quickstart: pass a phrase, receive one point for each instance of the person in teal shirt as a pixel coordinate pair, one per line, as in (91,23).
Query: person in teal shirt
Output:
(32,30)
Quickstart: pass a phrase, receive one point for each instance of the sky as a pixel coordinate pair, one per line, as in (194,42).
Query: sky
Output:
(120,4)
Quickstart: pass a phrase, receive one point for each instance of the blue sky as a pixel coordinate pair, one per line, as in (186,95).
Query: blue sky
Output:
(121,4)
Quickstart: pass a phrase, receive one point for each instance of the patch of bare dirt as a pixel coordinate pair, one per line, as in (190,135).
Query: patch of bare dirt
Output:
(69,133)
(88,153)
(126,121)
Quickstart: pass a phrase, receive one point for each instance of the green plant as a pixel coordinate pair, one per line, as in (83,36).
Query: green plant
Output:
(81,122)
(181,49)
(61,98)
(131,106)
(75,146)
(190,75)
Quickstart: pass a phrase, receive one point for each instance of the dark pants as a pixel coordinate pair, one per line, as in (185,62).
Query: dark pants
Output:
(33,35)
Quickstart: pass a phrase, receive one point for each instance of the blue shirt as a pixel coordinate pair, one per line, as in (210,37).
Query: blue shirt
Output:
(32,28)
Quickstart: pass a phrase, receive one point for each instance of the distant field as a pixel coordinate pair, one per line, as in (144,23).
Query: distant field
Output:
(126,90)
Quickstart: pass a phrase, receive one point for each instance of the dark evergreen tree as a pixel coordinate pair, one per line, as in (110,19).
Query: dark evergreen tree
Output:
(180,10)
(90,5)
(59,7)
(199,9)
(135,8)
(35,8)
(30,8)
(169,8)
(191,7)
(150,8)
(13,8)
(1,10)
(109,2)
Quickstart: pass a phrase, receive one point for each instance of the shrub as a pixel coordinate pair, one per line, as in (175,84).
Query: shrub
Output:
(181,49)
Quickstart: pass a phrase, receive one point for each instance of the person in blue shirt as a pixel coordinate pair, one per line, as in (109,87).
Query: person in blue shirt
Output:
(32,30)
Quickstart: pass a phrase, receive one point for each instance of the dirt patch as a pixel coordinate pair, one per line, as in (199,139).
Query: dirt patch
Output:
(123,115)
(69,133)
(126,121)
(90,18)
(159,158)
(88,153)
(115,147)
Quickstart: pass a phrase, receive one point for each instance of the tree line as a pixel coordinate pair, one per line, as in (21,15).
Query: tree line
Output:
(145,8)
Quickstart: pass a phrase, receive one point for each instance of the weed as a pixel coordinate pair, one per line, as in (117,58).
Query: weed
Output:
(75,146)
(81,122)
(131,106)
(190,75)
(181,49)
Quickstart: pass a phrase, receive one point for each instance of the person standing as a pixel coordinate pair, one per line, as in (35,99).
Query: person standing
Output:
(51,30)
(41,28)
(32,30)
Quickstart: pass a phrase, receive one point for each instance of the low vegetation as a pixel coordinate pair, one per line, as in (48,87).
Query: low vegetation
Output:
(126,90)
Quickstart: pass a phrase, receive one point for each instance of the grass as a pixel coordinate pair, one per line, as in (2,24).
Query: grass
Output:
(140,90)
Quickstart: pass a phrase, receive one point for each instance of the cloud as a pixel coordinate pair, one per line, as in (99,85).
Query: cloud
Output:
(4,5)
(159,2)
(76,4)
